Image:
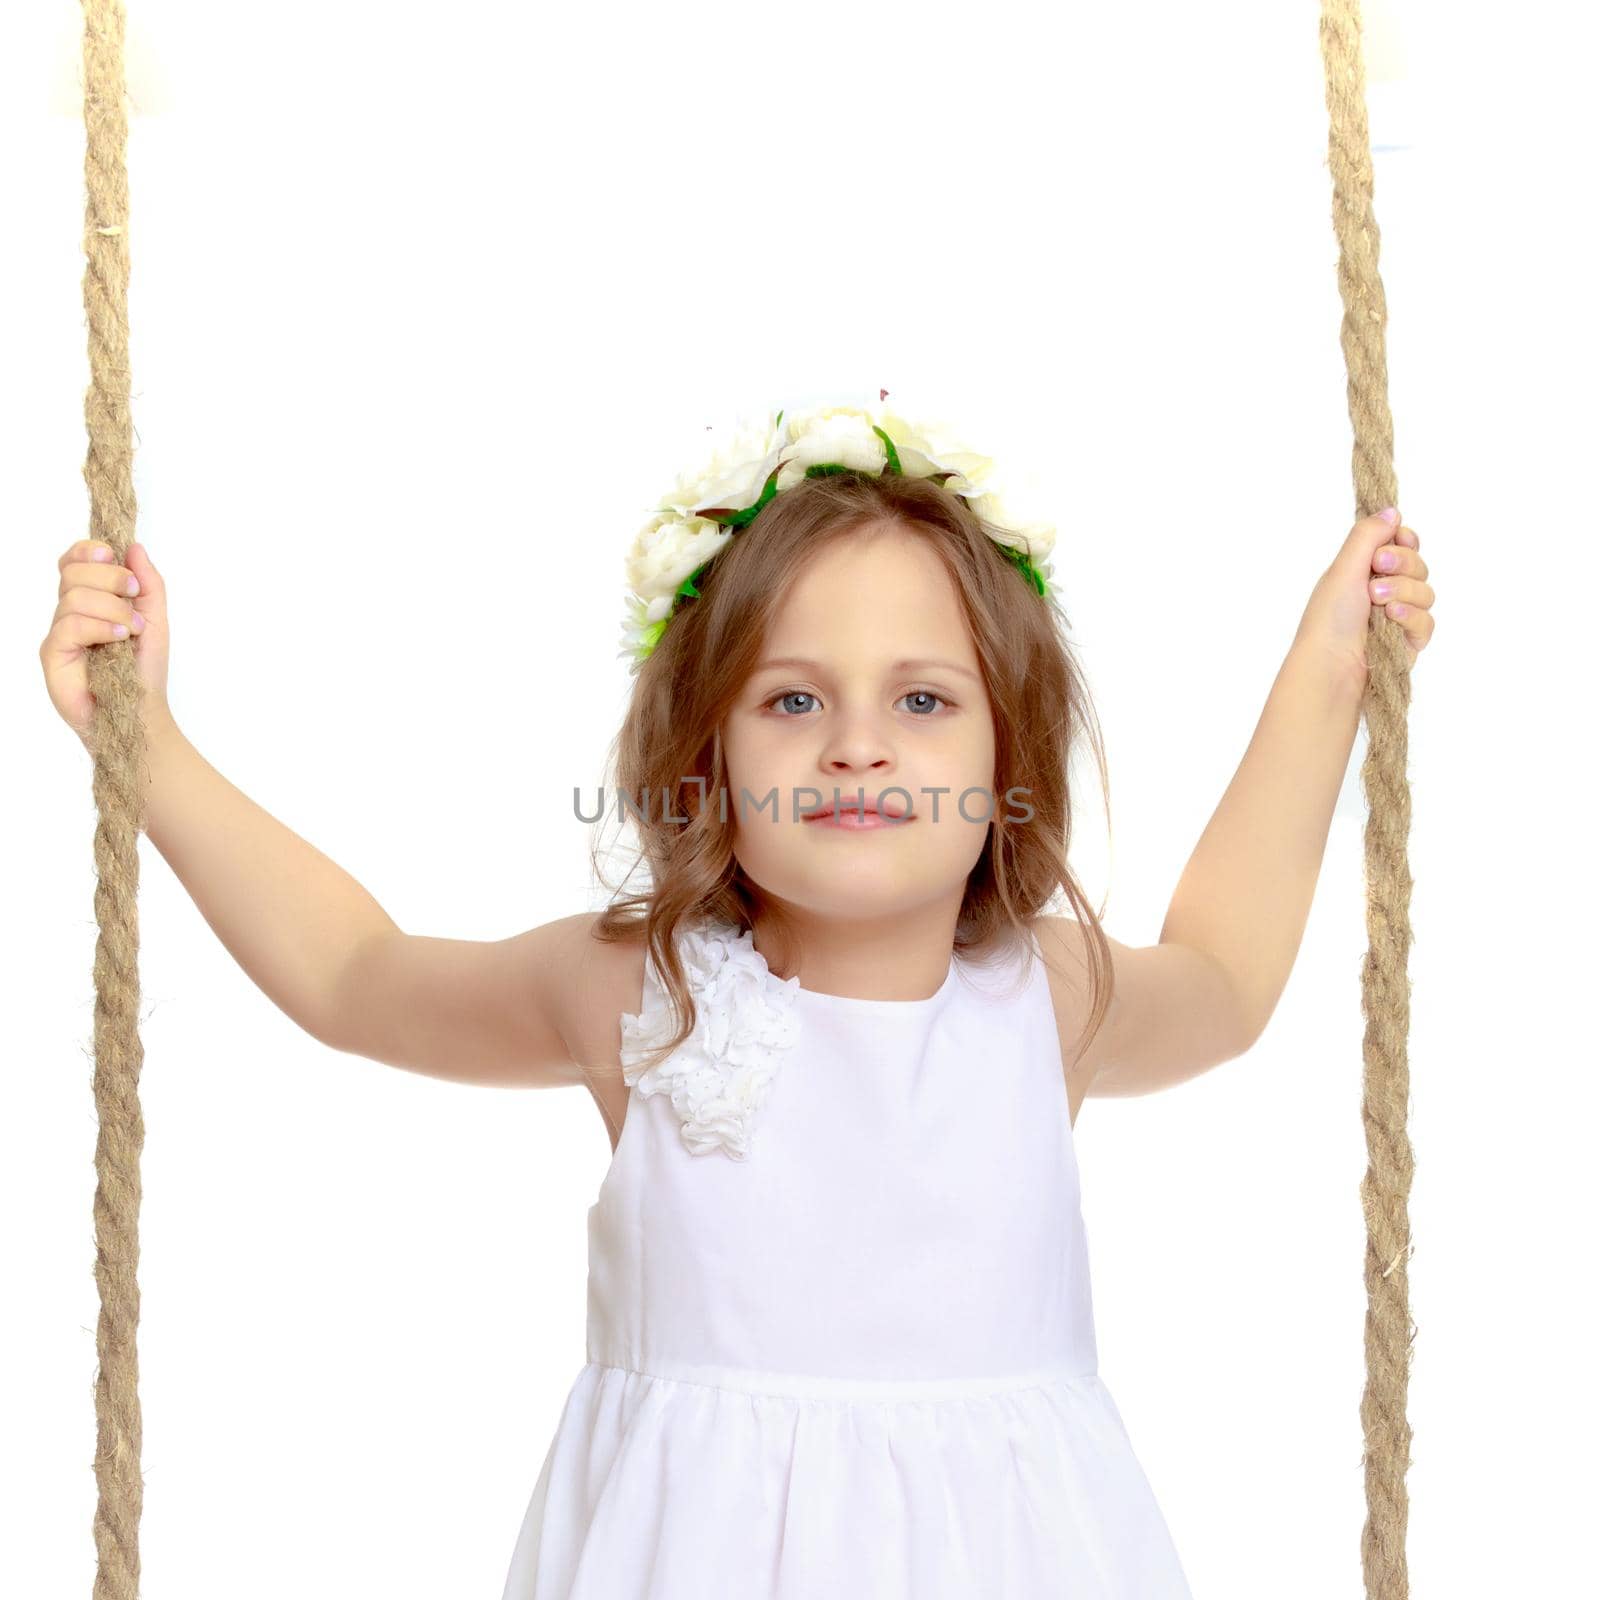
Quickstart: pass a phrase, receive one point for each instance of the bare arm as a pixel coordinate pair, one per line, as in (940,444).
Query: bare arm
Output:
(304,931)
(1205,992)
(1234,925)
(508,1013)
(1173,1014)
(329,956)
(1246,892)
(288,915)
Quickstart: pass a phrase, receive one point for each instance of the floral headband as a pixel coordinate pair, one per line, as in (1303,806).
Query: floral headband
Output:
(703,514)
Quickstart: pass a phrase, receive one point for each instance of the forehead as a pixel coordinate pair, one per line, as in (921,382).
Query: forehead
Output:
(877,586)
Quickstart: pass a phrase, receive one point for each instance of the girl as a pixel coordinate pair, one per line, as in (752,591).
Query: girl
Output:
(840,1336)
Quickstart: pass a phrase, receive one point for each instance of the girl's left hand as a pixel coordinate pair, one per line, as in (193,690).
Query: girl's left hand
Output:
(1380,564)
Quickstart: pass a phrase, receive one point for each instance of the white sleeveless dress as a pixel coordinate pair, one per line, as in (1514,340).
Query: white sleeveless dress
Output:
(840,1339)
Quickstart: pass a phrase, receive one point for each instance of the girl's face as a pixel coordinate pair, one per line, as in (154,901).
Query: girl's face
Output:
(868,682)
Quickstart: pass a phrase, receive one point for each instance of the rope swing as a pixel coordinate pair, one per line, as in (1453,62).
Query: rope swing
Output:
(1385,987)
(117,742)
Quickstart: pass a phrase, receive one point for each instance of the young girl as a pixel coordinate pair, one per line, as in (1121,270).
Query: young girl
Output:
(840,1337)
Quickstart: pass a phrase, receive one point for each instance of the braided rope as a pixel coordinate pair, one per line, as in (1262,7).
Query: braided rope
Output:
(1385,987)
(118,744)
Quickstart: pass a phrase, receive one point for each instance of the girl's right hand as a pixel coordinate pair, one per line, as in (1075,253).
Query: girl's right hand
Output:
(95,599)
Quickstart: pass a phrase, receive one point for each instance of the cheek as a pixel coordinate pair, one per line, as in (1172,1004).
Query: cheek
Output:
(973,753)
(754,764)
(769,750)
(746,760)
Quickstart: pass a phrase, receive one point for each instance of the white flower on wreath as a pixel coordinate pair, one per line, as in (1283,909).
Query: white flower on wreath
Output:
(678,540)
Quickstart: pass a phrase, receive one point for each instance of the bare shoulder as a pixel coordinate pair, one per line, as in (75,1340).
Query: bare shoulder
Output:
(578,985)
(597,981)
(607,980)
(1061,941)
(1172,1014)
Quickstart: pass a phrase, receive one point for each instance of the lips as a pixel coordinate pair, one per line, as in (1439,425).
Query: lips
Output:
(849,807)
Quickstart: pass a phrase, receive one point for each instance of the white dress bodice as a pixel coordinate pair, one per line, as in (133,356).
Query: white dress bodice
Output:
(839,1313)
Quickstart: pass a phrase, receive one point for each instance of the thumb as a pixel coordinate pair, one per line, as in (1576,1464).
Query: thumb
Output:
(151,599)
(1367,538)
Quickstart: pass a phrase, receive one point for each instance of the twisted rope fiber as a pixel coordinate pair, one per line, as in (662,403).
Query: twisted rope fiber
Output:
(1385,987)
(119,755)
(118,744)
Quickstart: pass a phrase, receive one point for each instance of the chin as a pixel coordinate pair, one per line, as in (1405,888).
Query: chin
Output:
(856,889)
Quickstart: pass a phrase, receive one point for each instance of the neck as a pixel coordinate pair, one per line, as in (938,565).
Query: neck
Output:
(901,956)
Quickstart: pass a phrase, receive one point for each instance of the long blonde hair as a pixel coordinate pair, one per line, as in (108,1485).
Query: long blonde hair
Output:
(692,679)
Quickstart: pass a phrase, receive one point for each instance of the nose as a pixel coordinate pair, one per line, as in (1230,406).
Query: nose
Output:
(868,777)
(846,773)
(859,744)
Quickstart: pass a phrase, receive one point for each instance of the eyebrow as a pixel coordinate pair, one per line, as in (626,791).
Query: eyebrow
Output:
(908,665)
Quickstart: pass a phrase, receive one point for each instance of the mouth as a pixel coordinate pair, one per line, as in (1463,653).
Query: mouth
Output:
(850,815)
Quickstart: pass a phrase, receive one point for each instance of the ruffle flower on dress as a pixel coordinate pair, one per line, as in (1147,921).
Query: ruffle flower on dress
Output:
(719,1077)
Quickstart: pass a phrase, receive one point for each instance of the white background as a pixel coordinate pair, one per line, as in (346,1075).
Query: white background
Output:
(427,307)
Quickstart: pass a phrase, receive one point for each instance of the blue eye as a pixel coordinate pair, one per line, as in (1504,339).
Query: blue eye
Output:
(805,694)
(791,694)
